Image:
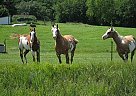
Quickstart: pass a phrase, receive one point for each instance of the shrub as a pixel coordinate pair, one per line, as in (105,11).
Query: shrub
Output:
(24,18)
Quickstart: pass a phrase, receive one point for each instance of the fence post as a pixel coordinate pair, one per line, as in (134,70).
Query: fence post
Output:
(5,45)
(111,50)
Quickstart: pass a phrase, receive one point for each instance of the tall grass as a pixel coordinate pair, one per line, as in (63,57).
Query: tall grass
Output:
(109,79)
(91,74)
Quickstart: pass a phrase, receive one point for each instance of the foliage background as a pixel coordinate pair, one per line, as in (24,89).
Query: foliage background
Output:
(96,12)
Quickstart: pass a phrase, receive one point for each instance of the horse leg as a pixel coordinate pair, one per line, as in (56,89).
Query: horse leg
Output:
(59,57)
(67,58)
(132,54)
(72,54)
(21,55)
(33,54)
(26,51)
(123,56)
(38,55)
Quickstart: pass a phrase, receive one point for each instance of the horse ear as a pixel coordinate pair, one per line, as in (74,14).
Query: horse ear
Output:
(34,30)
(57,26)
(111,28)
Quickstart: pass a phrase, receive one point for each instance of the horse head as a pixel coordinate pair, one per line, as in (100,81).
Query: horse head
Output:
(55,31)
(32,35)
(109,33)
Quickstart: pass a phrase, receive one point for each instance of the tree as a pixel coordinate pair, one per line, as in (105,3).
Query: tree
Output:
(98,12)
(42,11)
(128,13)
(71,11)
(31,7)
(7,7)
(3,11)
(101,12)
(10,6)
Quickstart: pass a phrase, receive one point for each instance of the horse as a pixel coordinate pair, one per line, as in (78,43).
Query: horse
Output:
(29,43)
(63,44)
(124,44)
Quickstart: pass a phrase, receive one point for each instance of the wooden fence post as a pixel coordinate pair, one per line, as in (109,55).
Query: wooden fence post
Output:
(5,46)
(111,50)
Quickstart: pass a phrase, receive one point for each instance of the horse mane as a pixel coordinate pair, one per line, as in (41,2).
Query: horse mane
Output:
(118,34)
(35,40)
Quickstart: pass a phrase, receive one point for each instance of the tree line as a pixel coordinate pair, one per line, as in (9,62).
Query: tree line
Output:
(97,12)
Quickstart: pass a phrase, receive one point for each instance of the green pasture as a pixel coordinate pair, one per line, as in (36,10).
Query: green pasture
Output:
(90,48)
(91,74)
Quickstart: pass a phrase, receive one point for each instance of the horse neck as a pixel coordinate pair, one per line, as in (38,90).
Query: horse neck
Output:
(117,38)
(35,41)
(59,40)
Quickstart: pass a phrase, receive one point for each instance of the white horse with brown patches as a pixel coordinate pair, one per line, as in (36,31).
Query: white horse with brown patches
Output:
(125,44)
(29,43)
(63,44)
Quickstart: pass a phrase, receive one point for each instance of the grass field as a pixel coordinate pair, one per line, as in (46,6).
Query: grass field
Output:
(92,73)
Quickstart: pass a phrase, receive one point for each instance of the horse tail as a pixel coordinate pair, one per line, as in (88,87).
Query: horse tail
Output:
(134,41)
(76,41)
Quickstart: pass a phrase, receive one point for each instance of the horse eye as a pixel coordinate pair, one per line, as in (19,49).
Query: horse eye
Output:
(109,33)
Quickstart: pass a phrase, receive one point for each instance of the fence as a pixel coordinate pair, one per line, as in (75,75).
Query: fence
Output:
(3,47)
(111,50)
(47,50)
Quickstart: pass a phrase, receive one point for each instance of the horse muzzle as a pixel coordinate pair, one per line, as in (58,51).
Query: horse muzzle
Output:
(54,38)
(104,37)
